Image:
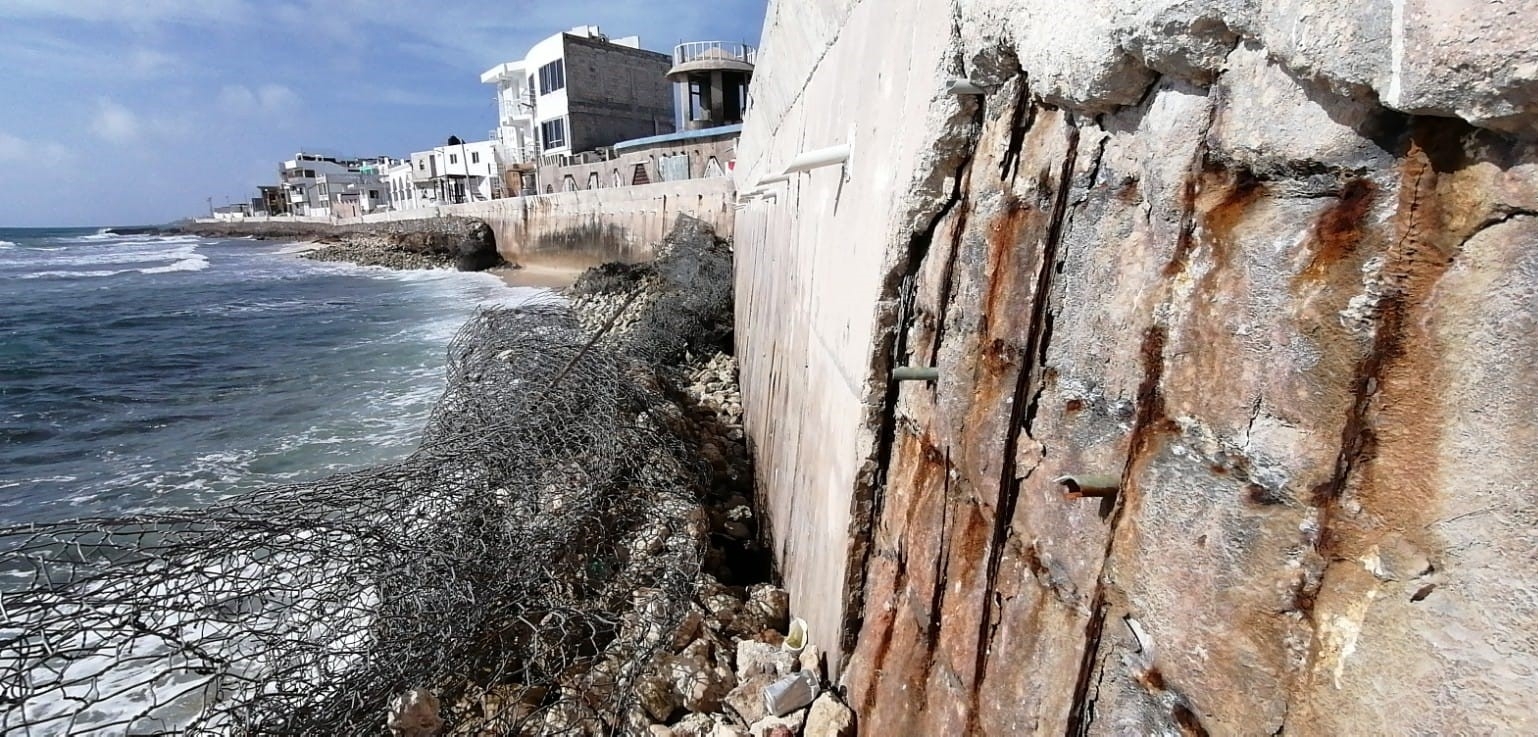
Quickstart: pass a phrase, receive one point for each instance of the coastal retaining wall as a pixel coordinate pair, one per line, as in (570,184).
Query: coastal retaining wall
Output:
(1266,269)
(589,226)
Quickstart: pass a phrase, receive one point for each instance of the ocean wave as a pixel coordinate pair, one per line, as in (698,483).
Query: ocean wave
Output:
(74,274)
(196,263)
(126,253)
(8,244)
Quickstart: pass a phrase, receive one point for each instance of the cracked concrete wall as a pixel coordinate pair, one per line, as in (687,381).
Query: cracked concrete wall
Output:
(1271,264)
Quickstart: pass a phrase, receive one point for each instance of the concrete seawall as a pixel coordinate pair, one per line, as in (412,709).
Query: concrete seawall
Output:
(616,224)
(585,226)
(1267,267)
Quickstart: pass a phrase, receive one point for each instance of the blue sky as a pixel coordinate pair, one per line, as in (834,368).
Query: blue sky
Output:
(135,111)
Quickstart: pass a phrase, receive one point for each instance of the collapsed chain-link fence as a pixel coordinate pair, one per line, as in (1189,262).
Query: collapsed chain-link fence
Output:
(523,565)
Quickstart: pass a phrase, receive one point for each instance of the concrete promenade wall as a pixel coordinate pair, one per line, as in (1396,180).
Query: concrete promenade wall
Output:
(815,270)
(618,223)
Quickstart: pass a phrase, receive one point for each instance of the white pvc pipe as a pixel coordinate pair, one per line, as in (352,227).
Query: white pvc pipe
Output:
(963,87)
(772,180)
(819,158)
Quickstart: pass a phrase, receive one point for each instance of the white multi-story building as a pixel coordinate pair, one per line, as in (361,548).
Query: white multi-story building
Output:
(515,112)
(315,183)
(578,91)
(458,171)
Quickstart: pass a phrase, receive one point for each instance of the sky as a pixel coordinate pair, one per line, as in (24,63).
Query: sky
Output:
(126,112)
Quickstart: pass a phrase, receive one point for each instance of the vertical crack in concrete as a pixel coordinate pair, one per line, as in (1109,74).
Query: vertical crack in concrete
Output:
(1030,375)
(893,348)
(1150,414)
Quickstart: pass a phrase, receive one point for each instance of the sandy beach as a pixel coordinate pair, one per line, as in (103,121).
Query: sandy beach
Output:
(544,274)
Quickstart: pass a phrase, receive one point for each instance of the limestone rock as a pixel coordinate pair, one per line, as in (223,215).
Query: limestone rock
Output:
(747,699)
(810,659)
(767,608)
(790,724)
(699,681)
(759,658)
(695,725)
(656,696)
(723,729)
(828,717)
(414,714)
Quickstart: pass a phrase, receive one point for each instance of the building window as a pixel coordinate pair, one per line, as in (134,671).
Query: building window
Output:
(453,158)
(373,194)
(422,165)
(553,133)
(475,157)
(552,76)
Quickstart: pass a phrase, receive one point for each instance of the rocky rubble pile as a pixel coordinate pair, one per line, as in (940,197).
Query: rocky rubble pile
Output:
(466,244)
(733,673)
(617,295)
(740,665)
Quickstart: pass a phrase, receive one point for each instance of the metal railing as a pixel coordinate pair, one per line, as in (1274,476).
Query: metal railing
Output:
(693,50)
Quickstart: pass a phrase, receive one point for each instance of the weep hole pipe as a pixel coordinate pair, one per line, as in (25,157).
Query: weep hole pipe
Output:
(915,373)
(819,158)
(1081,486)
(963,87)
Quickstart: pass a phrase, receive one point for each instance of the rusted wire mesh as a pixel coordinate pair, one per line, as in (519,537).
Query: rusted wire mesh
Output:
(523,565)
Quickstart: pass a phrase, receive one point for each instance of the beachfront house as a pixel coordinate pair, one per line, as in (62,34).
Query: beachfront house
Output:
(316,183)
(400,191)
(577,92)
(457,172)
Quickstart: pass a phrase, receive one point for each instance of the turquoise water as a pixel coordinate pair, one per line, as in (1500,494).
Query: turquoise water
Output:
(150,373)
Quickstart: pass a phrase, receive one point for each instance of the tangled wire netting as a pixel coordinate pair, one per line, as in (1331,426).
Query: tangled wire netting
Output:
(523,565)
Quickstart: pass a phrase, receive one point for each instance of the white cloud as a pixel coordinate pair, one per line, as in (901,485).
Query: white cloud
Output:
(18,150)
(115,123)
(272,100)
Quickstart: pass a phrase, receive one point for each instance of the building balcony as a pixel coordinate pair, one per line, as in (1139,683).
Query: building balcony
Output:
(702,56)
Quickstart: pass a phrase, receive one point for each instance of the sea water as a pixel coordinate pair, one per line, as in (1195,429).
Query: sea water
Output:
(157,373)
(151,373)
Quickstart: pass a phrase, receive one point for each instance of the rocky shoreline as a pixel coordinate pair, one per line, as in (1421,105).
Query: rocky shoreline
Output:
(464,244)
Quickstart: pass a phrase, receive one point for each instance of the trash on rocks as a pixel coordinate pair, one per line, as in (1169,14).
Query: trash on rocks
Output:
(795,691)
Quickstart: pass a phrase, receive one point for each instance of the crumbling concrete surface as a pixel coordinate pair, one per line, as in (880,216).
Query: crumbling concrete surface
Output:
(1272,266)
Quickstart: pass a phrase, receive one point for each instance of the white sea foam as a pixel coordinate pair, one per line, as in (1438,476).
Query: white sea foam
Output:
(72,274)
(127,253)
(196,263)
(121,680)
(7,244)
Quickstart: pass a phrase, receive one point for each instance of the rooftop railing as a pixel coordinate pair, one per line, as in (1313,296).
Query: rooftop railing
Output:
(693,50)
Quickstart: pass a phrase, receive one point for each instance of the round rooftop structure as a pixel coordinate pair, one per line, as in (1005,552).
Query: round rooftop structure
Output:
(703,57)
